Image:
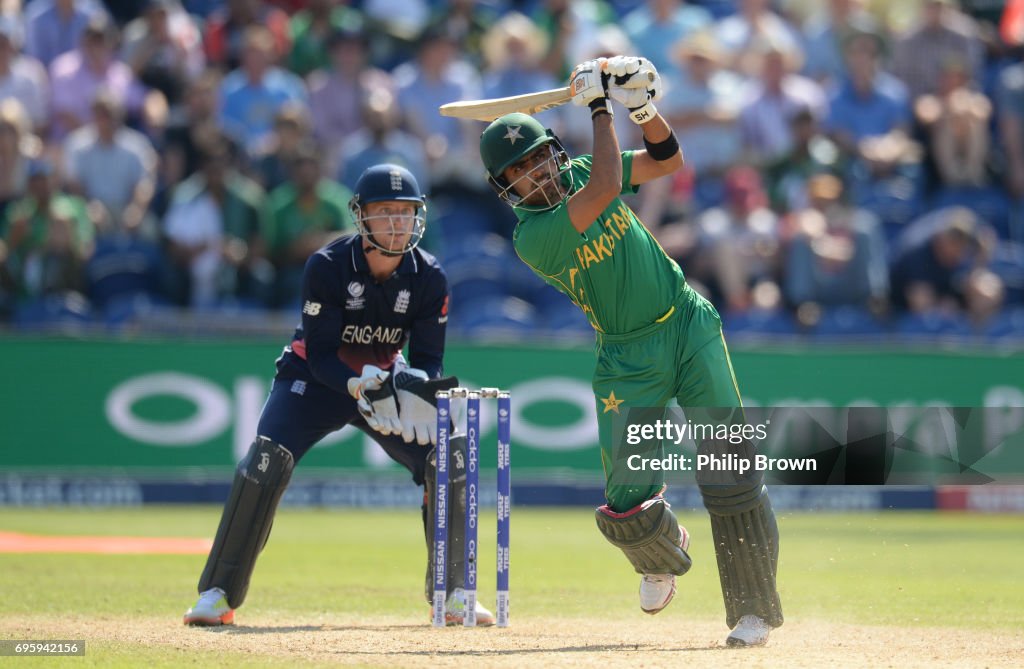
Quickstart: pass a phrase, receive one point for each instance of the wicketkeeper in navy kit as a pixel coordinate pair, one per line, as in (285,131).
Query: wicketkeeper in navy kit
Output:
(365,297)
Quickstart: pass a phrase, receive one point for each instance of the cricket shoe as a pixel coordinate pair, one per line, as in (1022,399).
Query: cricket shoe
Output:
(657,590)
(749,631)
(211,610)
(455,610)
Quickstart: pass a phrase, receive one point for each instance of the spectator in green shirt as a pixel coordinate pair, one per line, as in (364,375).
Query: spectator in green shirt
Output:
(310,30)
(303,214)
(47,237)
(213,234)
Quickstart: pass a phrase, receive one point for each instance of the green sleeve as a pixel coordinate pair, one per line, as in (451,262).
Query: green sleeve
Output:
(586,162)
(545,240)
(627,173)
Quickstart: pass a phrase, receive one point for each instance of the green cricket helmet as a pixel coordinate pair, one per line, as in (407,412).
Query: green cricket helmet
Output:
(508,140)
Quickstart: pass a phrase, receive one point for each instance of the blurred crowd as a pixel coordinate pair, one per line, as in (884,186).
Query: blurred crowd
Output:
(852,166)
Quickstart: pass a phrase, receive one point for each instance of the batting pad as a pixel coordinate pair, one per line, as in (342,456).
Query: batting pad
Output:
(260,481)
(649,535)
(746,540)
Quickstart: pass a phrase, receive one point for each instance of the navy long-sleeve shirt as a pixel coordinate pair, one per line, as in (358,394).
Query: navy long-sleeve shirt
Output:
(350,320)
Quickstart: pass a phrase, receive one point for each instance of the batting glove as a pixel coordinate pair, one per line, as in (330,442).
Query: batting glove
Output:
(637,100)
(636,84)
(588,84)
(375,399)
(623,71)
(417,404)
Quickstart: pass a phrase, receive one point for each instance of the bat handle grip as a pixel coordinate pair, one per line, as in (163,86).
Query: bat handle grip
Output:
(621,79)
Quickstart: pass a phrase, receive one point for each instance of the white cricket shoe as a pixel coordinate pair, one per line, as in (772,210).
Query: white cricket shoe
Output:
(455,610)
(211,610)
(657,590)
(750,630)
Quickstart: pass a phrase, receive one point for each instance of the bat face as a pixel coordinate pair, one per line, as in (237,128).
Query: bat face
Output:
(488,110)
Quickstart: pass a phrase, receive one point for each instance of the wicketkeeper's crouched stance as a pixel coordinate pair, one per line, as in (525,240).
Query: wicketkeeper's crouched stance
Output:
(656,338)
(364,297)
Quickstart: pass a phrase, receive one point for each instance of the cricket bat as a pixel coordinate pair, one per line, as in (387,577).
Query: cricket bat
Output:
(530,103)
(488,110)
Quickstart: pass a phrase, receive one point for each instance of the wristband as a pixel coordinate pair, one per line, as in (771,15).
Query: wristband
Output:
(641,115)
(600,106)
(663,150)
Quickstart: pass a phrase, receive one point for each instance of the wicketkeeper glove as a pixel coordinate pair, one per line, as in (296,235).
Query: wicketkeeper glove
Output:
(417,405)
(375,399)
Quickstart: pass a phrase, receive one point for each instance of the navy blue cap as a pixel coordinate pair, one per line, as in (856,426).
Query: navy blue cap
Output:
(387,181)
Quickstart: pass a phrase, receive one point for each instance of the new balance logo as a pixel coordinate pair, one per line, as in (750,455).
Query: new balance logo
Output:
(311,308)
(299,387)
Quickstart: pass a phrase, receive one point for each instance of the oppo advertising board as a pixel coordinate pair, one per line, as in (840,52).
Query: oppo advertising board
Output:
(171,409)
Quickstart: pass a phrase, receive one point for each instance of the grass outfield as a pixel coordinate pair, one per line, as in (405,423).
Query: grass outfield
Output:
(326,573)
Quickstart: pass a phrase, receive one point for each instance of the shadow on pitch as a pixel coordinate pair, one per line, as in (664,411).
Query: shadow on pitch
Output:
(465,652)
(288,629)
(291,629)
(489,652)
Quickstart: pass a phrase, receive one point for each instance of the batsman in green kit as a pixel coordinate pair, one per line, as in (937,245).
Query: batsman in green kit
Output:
(657,339)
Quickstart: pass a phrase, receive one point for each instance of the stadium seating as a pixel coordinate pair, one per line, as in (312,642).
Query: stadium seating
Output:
(930,325)
(759,322)
(990,204)
(848,321)
(67,312)
(503,317)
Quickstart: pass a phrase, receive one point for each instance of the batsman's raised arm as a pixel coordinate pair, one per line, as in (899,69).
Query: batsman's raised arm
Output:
(661,155)
(635,83)
(589,88)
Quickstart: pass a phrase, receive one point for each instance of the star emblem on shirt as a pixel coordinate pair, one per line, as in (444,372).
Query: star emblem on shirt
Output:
(513,134)
(610,403)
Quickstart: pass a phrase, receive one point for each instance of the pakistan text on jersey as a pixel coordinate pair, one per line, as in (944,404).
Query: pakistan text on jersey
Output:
(367,334)
(596,250)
